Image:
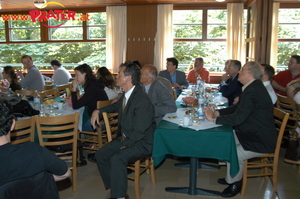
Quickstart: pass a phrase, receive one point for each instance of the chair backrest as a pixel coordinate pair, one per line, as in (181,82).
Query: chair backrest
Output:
(281,117)
(25,92)
(48,94)
(24,131)
(62,88)
(59,131)
(41,185)
(47,87)
(101,104)
(287,104)
(111,124)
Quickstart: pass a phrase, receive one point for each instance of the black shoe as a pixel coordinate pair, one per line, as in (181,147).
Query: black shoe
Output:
(91,157)
(82,163)
(232,190)
(222,181)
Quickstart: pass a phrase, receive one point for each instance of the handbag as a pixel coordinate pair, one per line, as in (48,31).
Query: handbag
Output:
(292,154)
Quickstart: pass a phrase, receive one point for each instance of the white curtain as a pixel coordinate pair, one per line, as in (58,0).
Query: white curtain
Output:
(235,32)
(116,34)
(274,36)
(163,47)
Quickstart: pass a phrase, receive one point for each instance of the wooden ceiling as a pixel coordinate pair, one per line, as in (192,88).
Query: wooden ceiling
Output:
(24,5)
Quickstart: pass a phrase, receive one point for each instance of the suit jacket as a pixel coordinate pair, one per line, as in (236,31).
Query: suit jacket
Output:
(180,78)
(162,100)
(232,90)
(137,120)
(252,118)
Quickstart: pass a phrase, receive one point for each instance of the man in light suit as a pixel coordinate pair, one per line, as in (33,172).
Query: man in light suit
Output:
(230,87)
(176,77)
(162,100)
(135,131)
(253,120)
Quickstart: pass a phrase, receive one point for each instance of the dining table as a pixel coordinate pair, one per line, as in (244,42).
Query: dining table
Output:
(203,140)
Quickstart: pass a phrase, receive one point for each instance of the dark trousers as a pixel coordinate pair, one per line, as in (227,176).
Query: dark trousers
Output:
(112,162)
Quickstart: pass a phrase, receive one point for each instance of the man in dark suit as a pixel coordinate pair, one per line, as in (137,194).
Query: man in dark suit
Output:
(176,77)
(135,131)
(230,87)
(253,120)
(162,100)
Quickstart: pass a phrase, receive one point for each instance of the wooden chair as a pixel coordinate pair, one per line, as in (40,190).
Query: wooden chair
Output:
(62,88)
(48,94)
(97,138)
(66,129)
(24,131)
(269,162)
(26,93)
(140,166)
(288,105)
(47,87)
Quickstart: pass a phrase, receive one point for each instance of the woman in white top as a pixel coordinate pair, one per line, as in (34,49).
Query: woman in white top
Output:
(111,89)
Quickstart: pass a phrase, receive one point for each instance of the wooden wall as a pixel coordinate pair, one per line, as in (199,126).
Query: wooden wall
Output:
(141,30)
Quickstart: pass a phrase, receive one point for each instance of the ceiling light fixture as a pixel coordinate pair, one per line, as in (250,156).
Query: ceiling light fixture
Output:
(220,0)
(39,4)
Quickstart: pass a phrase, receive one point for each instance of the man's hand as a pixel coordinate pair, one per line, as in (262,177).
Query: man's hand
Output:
(175,85)
(95,118)
(225,77)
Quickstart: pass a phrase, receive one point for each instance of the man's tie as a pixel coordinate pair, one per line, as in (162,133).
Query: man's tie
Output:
(123,104)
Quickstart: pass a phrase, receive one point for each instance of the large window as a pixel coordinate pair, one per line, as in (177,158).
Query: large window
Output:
(288,36)
(200,33)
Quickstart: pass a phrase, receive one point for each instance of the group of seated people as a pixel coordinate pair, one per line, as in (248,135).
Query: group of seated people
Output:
(144,100)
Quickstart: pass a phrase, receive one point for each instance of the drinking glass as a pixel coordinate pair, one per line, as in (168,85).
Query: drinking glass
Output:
(42,110)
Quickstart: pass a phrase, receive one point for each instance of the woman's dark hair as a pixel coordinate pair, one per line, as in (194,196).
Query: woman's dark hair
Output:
(107,78)
(6,117)
(10,71)
(89,77)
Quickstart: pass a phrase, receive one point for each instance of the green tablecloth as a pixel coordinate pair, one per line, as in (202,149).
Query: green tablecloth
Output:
(217,143)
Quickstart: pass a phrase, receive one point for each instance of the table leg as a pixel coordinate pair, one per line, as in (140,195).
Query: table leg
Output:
(192,189)
(184,163)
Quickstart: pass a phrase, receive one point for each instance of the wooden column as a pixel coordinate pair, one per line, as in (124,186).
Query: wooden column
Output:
(141,30)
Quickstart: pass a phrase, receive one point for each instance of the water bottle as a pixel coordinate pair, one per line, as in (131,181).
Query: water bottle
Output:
(201,102)
(36,100)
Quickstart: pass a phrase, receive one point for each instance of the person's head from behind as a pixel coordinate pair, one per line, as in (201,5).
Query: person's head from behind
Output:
(7,120)
(172,64)
(268,72)
(27,61)
(233,68)
(129,75)
(198,63)
(84,75)
(107,78)
(55,64)
(294,63)
(148,74)
(250,71)
(9,73)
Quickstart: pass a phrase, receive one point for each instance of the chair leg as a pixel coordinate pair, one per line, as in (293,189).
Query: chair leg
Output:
(137,178)
(244,183)
(153,179)
(298,169)
(265,169)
